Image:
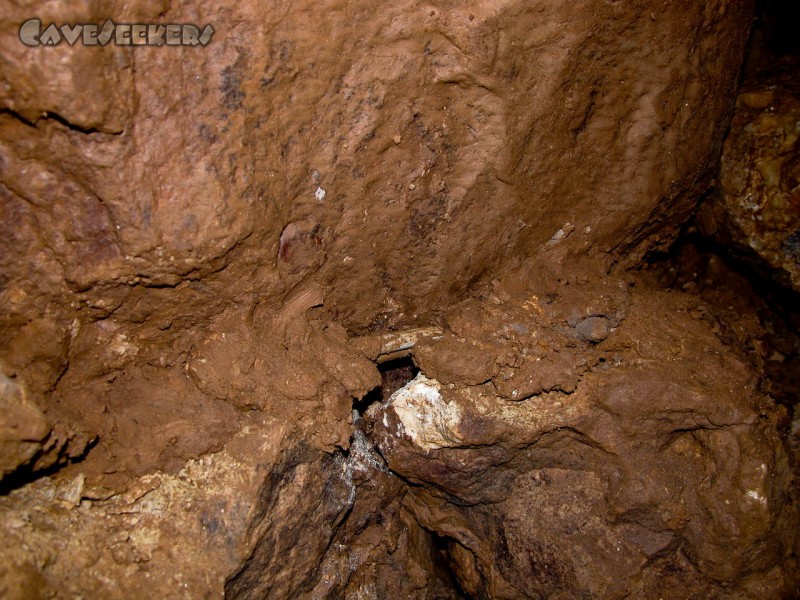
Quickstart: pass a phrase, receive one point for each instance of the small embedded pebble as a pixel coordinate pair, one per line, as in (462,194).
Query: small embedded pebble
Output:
(593,329)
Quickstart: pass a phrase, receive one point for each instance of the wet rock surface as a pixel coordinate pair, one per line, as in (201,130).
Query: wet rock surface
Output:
(347,305)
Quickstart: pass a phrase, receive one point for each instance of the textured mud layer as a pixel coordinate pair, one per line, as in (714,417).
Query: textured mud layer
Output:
(347,304)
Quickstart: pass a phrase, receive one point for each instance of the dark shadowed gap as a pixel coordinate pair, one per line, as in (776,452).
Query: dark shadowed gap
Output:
(736,286)
(779,20)
(26,474)
(444,566)
(774,40)
(394,375)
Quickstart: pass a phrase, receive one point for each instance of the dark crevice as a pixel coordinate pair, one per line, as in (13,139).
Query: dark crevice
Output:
(737,286)
(51,116)
(774,43)
(394,375)
(72,126)
(749,266)
(15,115)
(27,474)
(443,564)
(738,291)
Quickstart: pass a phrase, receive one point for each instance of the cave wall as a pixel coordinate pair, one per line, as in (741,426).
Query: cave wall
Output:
(192,239)
(126,169)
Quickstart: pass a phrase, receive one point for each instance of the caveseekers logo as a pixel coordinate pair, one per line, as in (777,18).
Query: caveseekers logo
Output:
(122,34)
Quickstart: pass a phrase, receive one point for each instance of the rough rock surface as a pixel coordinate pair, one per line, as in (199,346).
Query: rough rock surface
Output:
(252,521)
(756,211)
(23,428)
(198,246)
(594,486)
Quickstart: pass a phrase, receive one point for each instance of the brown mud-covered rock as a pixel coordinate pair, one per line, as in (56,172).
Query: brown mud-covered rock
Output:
(23,428)
(172,536)
(252,521)
(659,458)
(333,142)
(205,253)
(756,210)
